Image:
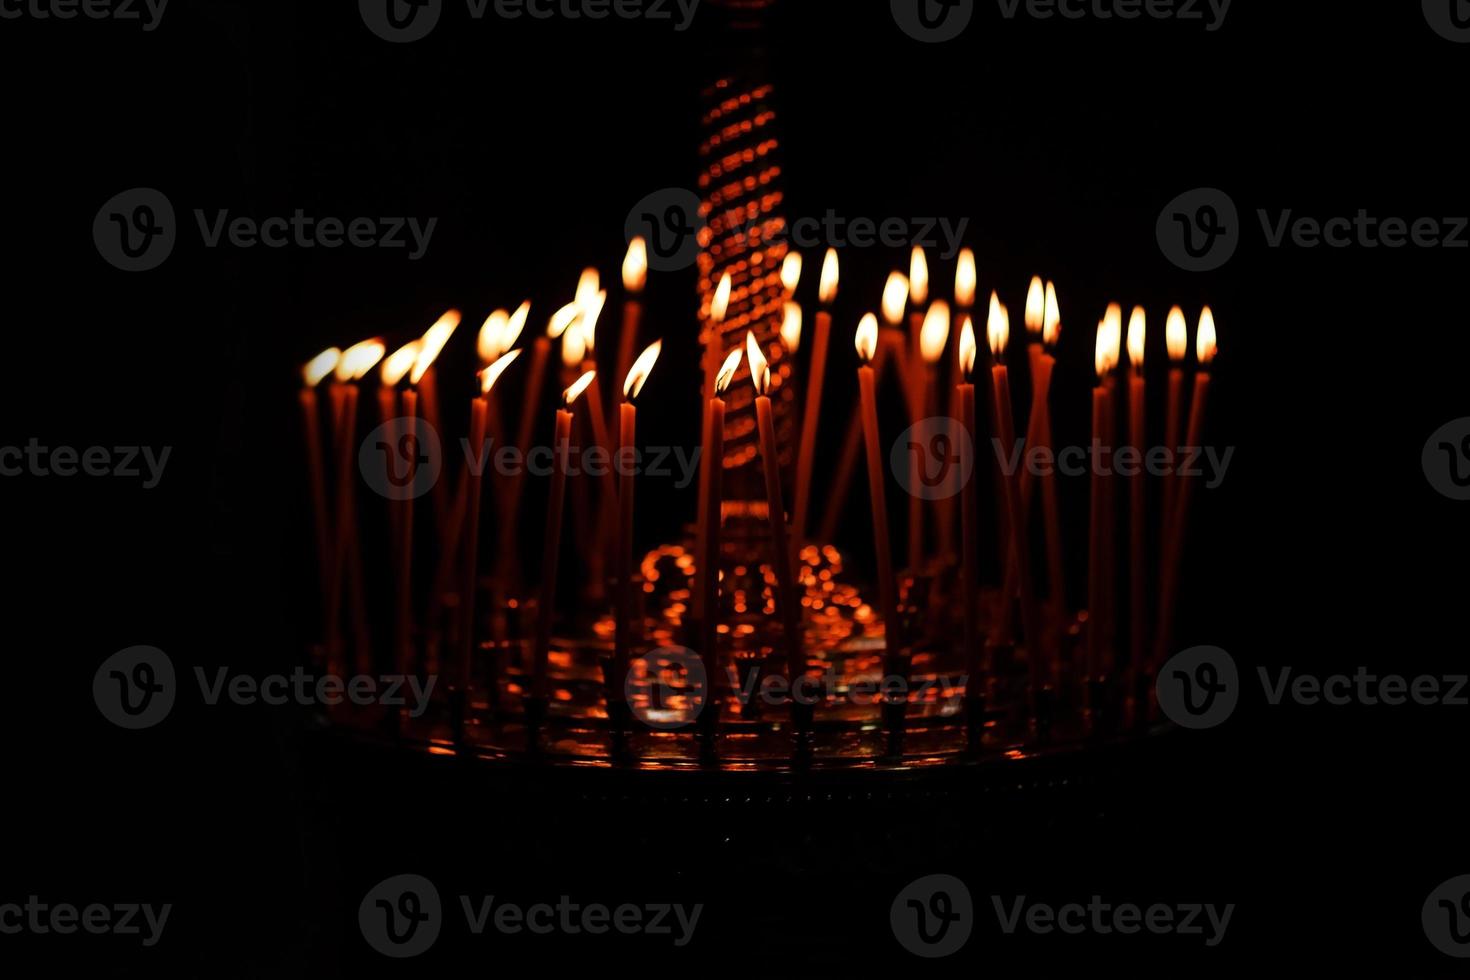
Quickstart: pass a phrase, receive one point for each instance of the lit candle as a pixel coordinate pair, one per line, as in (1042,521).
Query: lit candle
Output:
(540,354)
(551,542)
(427,386)
(786,599)
(1100,514)
(791,272)
(811,411)
(356,362)
(709,559)
(1176,339)
(866,342)
(1205,350)
(635,277)
(316,369)
(933,339)
(1034,316)
(479,420)
(719,306)
(1056,569)
(969,502)
(895,299)
(998,333)
(625,638)
(1137,324)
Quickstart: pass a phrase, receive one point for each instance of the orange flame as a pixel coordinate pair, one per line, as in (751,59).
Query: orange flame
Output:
(791,271)
(562,319)
(359,359)
(591,312)
(964,280)
(1052,322)
(1035,306)
(320,366)
(641,369)
(400,362)
(588,285)
(760,368)
(727,370)
(720,305)
(491,342)
(935,332)
(967,346)
(827,291)
(998,326)
(434,340)
(1137,323)
(1106,356)
(491,374)
(635,266)
(574,344)
(918,277)
(866,338)
(1176,335)
(1205,341)
(791,327)
(578,386)
(514,327)
(895,295)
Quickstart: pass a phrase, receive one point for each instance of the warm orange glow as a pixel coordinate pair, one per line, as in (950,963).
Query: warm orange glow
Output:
(587,286)
(359,359)
(1205,341)
(760,368)
(1176,335)
(895,296)
(827,292)
(1035,306)
(591,312)
(727,370)
(967,346)
(1137,323)
(866,338)
(935,332)
(641,369)
(998,326)
(1052,323)
(491,374)
(574,344)
(918,277)
(791,327)
(400,362)
(964,280)
(791,271)
(720,305)
(320,366)
(562,319)
(635,266)
(432,343)
(579,386)
(1106,355)
(1113,317)
(491,342)
(514,327)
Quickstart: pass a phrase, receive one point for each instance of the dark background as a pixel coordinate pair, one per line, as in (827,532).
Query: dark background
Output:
(1325,549)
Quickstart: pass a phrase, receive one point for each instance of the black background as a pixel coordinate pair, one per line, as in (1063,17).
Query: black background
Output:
(1061,141)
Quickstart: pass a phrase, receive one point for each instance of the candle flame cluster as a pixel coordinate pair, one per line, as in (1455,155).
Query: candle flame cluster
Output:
(320,366)
(400,362)
(359,359)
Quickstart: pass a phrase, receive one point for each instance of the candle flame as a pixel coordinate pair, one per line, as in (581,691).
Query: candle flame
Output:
(1205,341)
(400,362)
(827,292)
(491,342)
(1106,354)
(1176,335)
(588,285)
(918,277)
(1114,319)
(727,371)
(760,368)
(866,339)
(935,333)
(964,280)
(1052,322)
(591,312)
(1035,306)
(562,319)
(791,271)
(635,266)
(578,386)
(516,324)
(574,344)
(967,346)
(1137,323)
(895,295)
(433,342)
(640,370)
(320,366)
(357,360)
(791,327)
(720,305)
(491,374)
(998,326)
